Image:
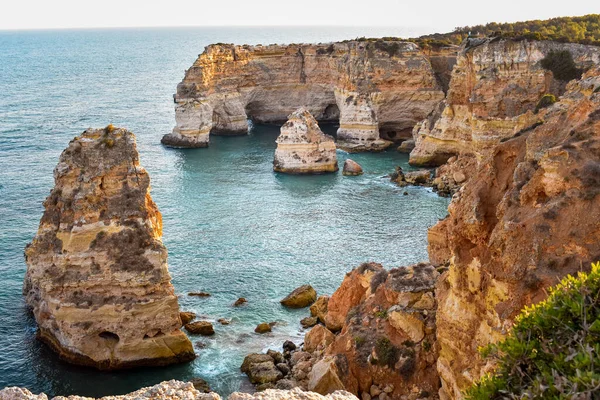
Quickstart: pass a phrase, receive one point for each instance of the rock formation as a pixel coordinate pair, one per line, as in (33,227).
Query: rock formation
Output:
(302,148)
(375,89)
(300,297)
(529,215)
(493,92)
(352,168)
(294,394)
(97,277)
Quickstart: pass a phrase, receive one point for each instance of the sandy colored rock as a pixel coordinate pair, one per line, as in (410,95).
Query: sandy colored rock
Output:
(528,216)
(240,301)
(319,308)
(309,322)
(352,168)
(186,317)
(263,328)
(406,146)
(376,90)
(97,279)
(294,394)
(300,297)
(203,328)
(420,177)
(302,148)
(324,377)
(318,336)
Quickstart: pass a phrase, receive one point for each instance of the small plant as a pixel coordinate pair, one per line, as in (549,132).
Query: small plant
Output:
(387,353)
(359,340)
(426,345)
(381,314)
(562,65)
(546,101)
(553,350)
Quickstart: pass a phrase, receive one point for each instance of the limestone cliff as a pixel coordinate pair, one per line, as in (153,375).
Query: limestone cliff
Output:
(375,89)
(97,277)
(529,215)
(494,89)
(302,148)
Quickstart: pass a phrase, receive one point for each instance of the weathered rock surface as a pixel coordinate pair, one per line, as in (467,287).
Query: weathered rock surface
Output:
(529,215)
(302,148)
(263,328)
(97,278)
(186,317)
(300,297)
(352,168)
(319,308)
(204,328)
(294,394)
(168,390)
(375,89)
(493,92)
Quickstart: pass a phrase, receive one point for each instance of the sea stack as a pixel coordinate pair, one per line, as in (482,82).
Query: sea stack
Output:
(302,148)
(97,279)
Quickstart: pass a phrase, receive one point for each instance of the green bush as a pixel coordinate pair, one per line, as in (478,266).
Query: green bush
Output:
(546,101)
(387,353)
(562,65)
(553,350)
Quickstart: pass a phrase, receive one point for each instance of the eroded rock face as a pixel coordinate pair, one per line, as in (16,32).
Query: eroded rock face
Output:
(374,89)
(529,215)
(97,278)
(494,90)
(294,394)
(302,148)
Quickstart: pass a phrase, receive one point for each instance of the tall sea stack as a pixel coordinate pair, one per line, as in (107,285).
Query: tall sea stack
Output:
(97,277)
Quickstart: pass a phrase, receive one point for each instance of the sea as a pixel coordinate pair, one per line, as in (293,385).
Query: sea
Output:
(233,227)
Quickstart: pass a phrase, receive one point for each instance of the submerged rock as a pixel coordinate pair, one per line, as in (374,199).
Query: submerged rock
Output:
(97,278)
(302,148)
(300,297)
(352,168)
(240,301)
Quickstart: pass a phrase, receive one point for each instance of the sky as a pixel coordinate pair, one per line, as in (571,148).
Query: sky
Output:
(431,15)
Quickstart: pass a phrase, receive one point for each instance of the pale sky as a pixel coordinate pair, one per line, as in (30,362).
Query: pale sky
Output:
(435,15)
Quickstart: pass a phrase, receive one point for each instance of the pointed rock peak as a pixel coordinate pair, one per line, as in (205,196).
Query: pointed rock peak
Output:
(302,127)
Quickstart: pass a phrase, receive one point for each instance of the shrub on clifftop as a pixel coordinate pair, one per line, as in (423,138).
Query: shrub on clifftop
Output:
(562,65)
(553,350)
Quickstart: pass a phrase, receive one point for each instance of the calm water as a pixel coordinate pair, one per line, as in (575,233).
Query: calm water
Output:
(232,227)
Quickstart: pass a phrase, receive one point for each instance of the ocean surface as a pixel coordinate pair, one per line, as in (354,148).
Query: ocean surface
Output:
(233,227)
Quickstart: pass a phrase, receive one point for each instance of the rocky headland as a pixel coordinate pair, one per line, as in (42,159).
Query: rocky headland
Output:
(97,279)
(302,148)
(376,90)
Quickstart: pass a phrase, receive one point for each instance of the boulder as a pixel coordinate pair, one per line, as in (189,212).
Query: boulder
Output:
(186,317)
(308,322)
(254,358)
(420,177)
(300,297)
(352,168)
(302,148)
(319,336)
(263,372)
(203,328)
(289,346)
(319,308)
(406,146)
(240,302)
(263,328)
(324,377)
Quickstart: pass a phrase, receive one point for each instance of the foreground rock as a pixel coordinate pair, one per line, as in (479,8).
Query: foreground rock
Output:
(352,168)
(302,148)
(376,90)
(172,390)
(528,216)
(97,279)
(294,394)
(300,297)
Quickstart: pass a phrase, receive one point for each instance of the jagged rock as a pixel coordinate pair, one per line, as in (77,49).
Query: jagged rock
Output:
(263,328)
(352,168)
(319,336)
(319,308)
(493,93)
(229,84)
(186,317)
(203,328)
(172,390)
(309,322)
(302,148)
(240,302)
(300,297)
(324,377)
(294,394)
(524,219)
(97,277)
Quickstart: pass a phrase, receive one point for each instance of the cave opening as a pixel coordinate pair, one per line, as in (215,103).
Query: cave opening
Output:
(110,336)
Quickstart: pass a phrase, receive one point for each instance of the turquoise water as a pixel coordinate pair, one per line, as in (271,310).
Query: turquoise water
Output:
(233,228)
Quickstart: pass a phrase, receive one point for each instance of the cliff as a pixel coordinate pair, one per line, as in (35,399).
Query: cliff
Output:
(302,148)
(493,92)
(97,279)
(529,215)
(376,90)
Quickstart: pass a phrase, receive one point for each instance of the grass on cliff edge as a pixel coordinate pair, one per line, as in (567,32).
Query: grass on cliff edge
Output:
(553,350)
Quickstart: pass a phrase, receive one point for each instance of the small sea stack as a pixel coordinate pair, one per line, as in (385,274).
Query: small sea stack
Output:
(97,278)
(302,148)
(352,168)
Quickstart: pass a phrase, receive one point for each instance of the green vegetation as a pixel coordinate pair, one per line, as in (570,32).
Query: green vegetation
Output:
(562,65)
(546,101)
(387,353)
(381,314)
(553,351)
(359,340)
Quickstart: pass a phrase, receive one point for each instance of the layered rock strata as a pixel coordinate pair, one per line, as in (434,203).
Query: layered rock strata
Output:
(302,148)
(97,279)
(529,215)
(495,87)
(376,90)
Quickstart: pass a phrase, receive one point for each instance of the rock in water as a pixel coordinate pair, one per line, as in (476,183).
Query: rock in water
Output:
(204,328)
(352,168)
(300,297)
(97,278)
(302,148)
